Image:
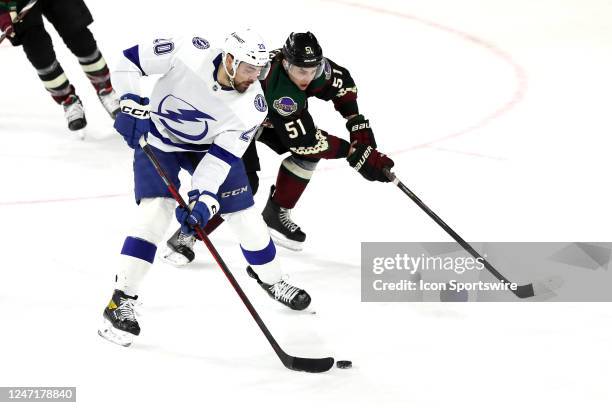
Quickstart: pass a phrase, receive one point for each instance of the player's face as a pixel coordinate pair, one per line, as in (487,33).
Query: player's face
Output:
(301,77)
(246,74)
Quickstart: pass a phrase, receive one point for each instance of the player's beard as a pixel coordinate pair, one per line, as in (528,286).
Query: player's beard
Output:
(242,86)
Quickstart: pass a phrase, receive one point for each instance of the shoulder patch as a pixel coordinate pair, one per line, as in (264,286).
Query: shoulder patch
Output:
(327,69)
(200,43)
(285,106)
(163,46)
(260,103)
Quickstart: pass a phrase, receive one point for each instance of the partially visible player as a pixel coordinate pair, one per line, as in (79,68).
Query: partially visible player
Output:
(299,71)
(71,19)
(200,117)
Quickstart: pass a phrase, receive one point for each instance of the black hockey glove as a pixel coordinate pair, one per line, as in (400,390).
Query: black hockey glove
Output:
(369,162)
(359,128)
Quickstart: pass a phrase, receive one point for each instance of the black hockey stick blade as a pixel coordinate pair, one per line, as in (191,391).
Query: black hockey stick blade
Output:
(309,365)
(524,291)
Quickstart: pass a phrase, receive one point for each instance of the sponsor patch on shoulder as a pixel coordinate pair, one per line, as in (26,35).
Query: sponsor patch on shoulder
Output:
(260,103)
(285,106)
(327,69)
(163,46)
(200,43)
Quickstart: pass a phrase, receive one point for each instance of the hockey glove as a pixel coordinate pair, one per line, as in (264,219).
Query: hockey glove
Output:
(360,131)
(202,207)
(369,162)
(6,24)
(132,120)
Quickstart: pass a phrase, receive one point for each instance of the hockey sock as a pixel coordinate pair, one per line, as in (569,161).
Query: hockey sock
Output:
(96,70)
(137,257)
(56,82)
(257,247)
(138,252)
(264,262)
(83,45)
(293,177)
(38,48)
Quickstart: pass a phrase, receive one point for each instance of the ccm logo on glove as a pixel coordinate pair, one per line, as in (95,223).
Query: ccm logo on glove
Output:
(133,108)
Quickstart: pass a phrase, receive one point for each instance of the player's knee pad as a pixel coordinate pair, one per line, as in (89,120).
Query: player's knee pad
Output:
(80,42)
(250,228)
(38,47)
(153,218)
(300,167)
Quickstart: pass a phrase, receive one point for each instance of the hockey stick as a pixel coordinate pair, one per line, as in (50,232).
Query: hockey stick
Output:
(311,365)
(19,17)
(522,291)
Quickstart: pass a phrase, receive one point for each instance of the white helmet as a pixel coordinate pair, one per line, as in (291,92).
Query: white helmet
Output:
(246,46)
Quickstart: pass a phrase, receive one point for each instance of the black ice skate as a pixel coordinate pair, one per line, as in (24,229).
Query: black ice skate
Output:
(287,294)
(109,100)
(180,249)
(283,230)
(120,325)
(74,113)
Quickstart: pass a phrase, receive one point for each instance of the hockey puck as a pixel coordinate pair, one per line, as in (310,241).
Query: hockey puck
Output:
(344,364)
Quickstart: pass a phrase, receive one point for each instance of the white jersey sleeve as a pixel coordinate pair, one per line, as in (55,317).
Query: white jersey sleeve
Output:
(153,58)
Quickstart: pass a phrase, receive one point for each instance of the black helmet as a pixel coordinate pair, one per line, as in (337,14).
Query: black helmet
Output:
(303,50)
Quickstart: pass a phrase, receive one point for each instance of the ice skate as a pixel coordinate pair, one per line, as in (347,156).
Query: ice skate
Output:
(283,230)
(120,324)
(180,249)
(283,292)
(74,113)
(109,100)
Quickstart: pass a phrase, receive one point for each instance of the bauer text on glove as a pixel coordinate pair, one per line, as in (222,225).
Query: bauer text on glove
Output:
(369,162)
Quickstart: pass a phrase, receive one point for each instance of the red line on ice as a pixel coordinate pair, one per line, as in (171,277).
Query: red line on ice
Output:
(519,72)
(62,200)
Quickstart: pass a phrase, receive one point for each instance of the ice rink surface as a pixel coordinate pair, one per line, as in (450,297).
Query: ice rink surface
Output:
(496,114)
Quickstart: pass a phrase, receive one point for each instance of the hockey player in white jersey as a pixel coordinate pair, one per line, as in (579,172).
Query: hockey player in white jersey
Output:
(200,117)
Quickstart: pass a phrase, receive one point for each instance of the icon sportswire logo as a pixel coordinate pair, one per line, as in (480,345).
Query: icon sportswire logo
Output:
(182,118)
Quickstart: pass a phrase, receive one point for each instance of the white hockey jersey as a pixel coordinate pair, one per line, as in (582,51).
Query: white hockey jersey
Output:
(190,110)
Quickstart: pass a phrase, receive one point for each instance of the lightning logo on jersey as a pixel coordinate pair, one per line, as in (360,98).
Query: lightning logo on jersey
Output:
(182,118)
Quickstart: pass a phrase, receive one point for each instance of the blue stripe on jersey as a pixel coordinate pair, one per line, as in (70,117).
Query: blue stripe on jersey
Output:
(134,57)
(139,248)
(185,146)
(222,154)
(261,257)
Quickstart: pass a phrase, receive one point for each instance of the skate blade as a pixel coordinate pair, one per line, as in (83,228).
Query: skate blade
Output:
(175,259)
(281,240)
(78,134)
(108,332)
